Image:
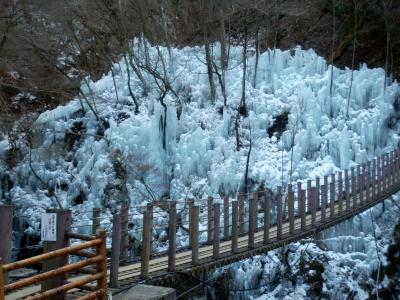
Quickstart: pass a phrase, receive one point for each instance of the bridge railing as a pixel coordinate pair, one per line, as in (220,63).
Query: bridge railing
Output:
(291,209)
(50,278)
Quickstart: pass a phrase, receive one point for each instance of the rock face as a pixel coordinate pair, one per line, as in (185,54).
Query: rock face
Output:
(147,292)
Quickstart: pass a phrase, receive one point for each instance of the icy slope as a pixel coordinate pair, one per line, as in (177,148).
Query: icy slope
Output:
(122,156)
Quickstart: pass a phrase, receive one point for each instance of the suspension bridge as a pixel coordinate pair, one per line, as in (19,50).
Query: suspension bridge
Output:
(211,233)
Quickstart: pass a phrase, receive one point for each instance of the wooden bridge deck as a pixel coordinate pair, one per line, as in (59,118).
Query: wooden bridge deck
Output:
(157,266)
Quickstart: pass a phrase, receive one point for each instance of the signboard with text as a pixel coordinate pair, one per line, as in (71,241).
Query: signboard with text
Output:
(49,225)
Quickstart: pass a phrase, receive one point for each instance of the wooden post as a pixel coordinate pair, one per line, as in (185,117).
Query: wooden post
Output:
(146,244)
(6,230)
(191,222)
(115,250)
(124,232)
(241,214)
(279,212)
(376,178)
(396,167)
(308,210)
(210,221)
(353,188)
(226,217)
(267,216)
(150,209)
(332,196)
(362,185)
(384,172)
(368,182)
(101,267)
(63,224)
(252,220)
(313,194)
(382,175)
(373,180)
(195,234)
(172,237)
(216,231)
(2,281)
(392,162)
(235,221)
(318,195)
(96,220)
(340,192)
(303,209)
(347,189)
(291,210)
(324,196)
(299,188)
(256,198)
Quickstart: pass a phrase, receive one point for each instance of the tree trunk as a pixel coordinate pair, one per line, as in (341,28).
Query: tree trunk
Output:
(242,107)
(130,87)
(257,46)
(210,72)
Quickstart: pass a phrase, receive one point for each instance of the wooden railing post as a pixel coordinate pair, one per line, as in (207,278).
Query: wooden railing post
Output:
(353,188)
(195,234)
(226,217)
(308,210)
(392,170)
(252,220)
(172,237)
(101,266)
(279,212)
(313,193)
(362,185)
(241,214)
(324,196)
(6,221)
(373,180)
(124,232)
(63,225)
(358,186)
(396,167)
(368,182)
(332,196)
(267,215)
(191,221)
(115,250)
(96,220)
(347,189)
(210,222)
(318,186)
(303,209)
(340,192)
(146,245)
(291,210)
(385,173)
(2,281)
(299,188)
(216,231)
(235,221)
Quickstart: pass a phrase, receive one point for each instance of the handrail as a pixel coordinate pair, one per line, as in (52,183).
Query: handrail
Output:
(46,275)
(98,274)
(37,259)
